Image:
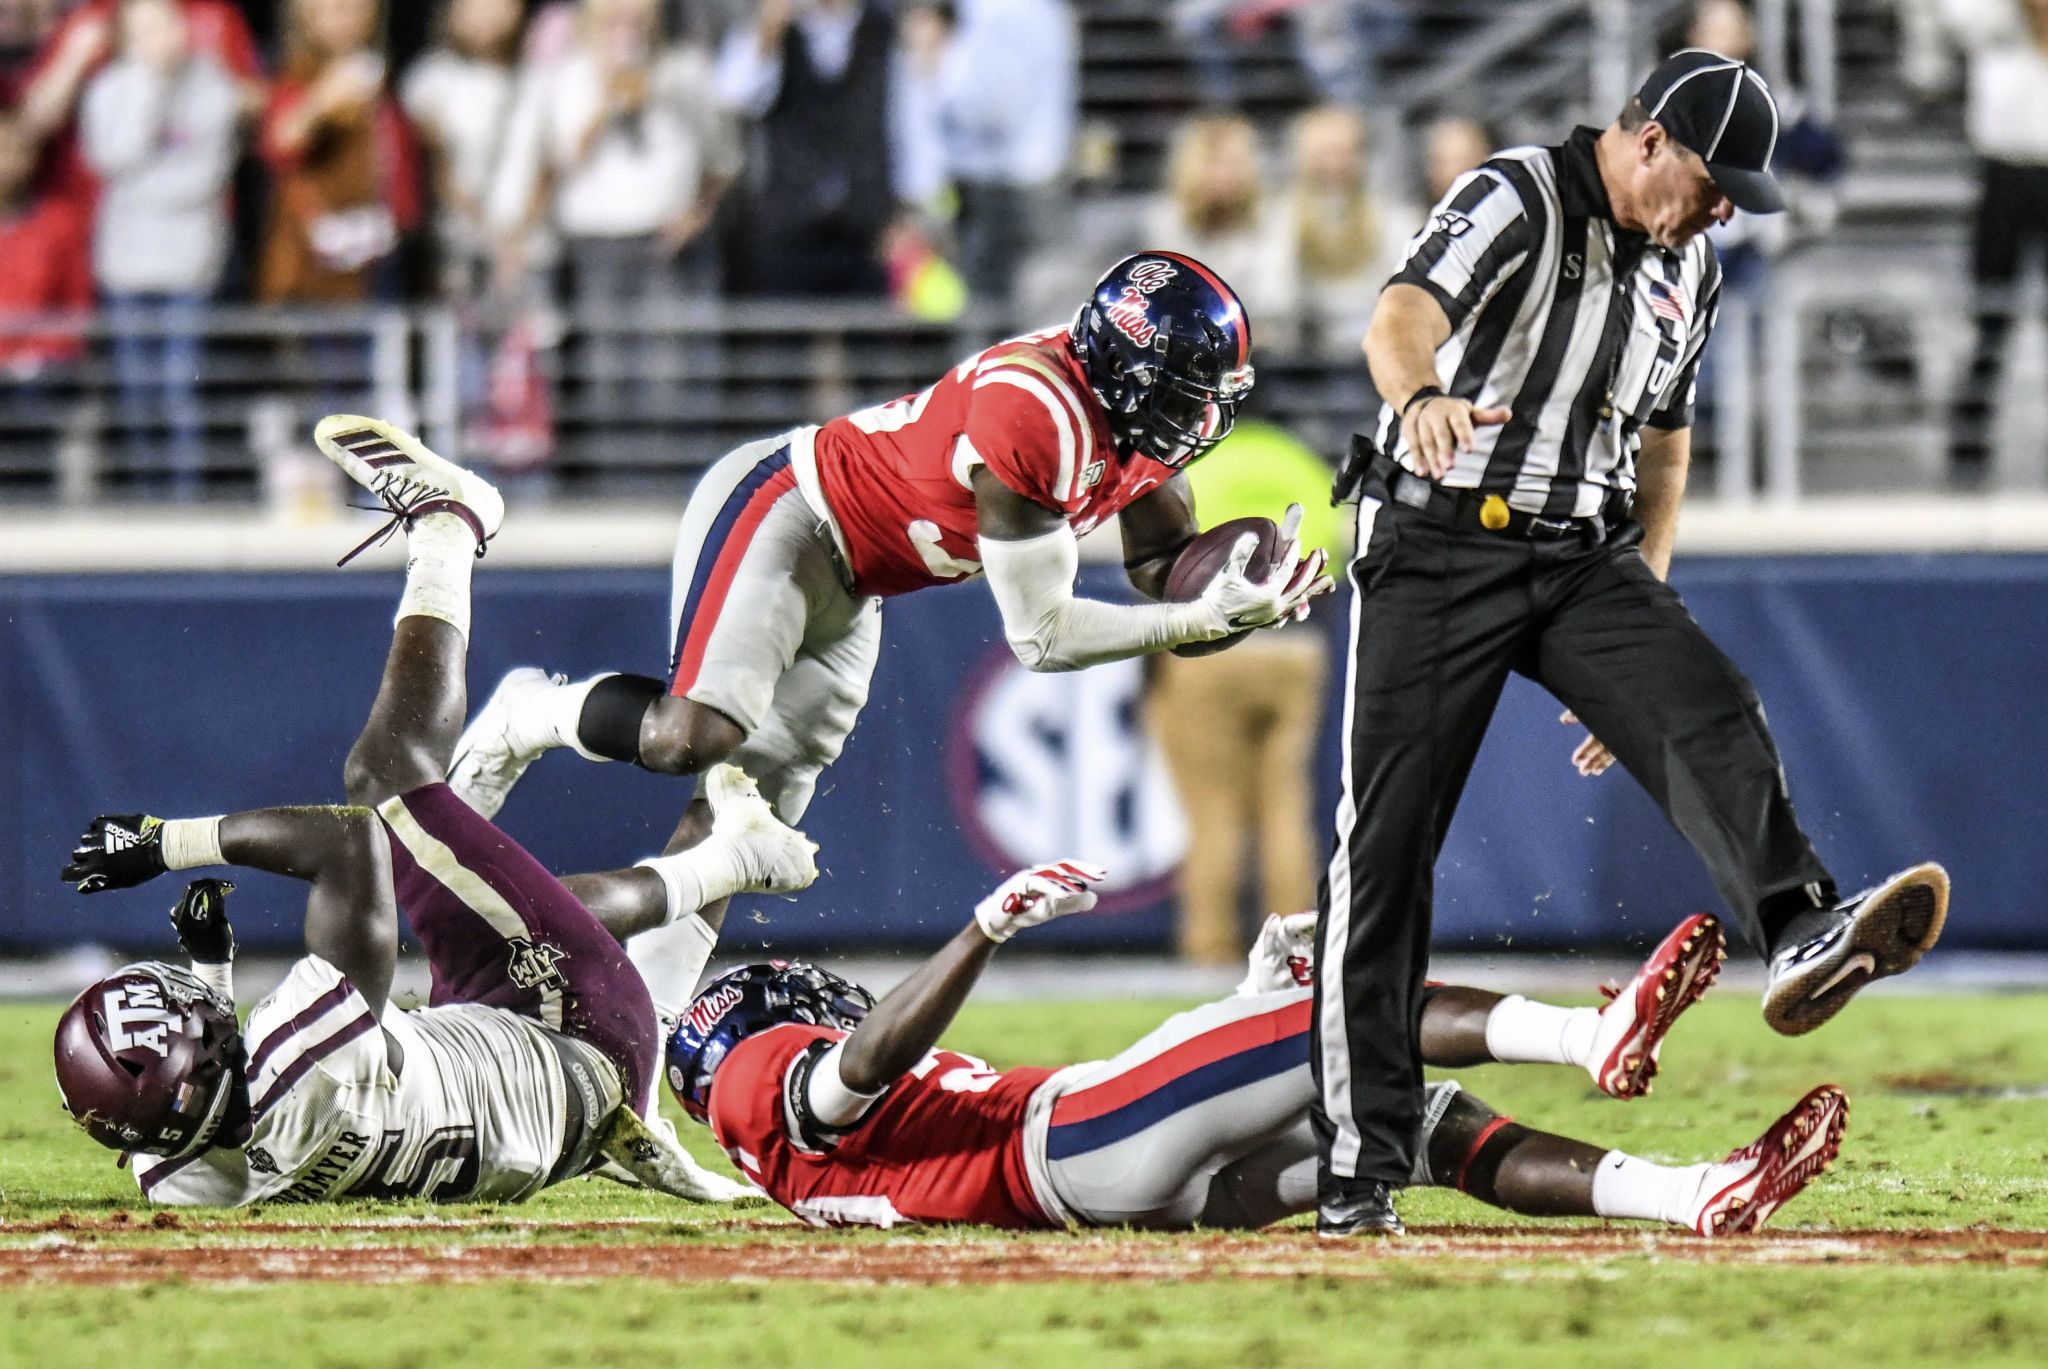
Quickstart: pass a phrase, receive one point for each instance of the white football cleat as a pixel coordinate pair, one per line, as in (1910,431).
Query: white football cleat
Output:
(645,1152)
(498,745)
(1633,1023)
(1740,1194)
(410,480)
(772,857)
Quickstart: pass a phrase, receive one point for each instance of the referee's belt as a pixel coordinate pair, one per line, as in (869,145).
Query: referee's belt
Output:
(1479,511)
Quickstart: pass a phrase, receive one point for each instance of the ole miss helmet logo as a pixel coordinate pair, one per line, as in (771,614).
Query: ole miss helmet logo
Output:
(706,1011)
(1131,318)
(1150,275)
(1129,313)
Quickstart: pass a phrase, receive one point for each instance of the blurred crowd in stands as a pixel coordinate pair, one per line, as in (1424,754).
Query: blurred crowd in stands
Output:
(614,159)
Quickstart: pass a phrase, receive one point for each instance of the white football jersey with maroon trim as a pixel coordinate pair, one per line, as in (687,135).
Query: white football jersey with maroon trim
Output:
(474,1112)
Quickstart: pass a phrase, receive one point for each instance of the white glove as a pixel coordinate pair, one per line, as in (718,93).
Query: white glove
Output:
(1240,602)
(1284,956)
(1030,897)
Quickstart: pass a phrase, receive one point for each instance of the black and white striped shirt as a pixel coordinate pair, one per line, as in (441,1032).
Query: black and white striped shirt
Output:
(1585,331)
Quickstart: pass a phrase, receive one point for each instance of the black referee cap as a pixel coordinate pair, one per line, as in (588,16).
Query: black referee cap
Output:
(1721,109)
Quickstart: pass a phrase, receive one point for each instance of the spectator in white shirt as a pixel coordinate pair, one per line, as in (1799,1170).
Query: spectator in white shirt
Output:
(459,96)
(158,126)
(2005,43)
(619,144)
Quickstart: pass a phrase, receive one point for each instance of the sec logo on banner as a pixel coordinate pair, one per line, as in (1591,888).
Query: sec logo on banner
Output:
(1060,765)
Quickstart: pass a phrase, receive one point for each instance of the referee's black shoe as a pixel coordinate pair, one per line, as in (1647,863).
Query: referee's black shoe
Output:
(1825,956)
(1356,1207)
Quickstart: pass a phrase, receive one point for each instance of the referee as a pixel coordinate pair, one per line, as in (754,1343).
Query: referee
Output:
(1518,495)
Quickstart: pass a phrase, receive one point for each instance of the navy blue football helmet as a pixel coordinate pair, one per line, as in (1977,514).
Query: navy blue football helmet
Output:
(752,999)
(1167,349)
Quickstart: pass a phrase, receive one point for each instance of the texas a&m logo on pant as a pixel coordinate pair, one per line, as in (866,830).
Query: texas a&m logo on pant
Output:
(535,965)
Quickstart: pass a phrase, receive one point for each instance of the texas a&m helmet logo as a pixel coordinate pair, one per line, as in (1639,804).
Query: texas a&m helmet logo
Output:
(137,1018)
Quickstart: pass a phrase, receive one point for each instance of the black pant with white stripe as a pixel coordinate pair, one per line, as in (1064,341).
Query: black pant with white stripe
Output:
(1442,610)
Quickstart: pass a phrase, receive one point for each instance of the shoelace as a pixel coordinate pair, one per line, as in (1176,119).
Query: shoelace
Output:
(401,520)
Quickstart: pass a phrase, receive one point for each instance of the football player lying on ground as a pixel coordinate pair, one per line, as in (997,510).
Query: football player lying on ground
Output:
(541,1045)
(846,1112)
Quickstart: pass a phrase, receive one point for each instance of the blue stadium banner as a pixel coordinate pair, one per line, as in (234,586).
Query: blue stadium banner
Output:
(1902,691)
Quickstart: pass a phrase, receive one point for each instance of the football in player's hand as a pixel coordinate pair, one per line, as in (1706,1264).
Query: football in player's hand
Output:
(1201,561)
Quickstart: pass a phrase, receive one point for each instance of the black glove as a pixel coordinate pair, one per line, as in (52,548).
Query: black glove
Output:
(200,918)
(118,851)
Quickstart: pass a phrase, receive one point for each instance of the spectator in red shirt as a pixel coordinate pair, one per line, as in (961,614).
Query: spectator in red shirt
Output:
(40,273)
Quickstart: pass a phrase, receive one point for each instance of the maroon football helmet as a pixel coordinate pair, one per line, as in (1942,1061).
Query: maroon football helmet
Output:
(150,1059)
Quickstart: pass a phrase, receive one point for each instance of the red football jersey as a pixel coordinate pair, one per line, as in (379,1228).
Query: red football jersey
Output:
(897,477)
(944,1144)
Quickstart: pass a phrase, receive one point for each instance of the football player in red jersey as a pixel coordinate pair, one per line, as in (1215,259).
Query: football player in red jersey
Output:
(847,1111)
(789,545)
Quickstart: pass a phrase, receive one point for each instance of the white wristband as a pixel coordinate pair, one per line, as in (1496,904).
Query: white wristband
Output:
(218,977)
(190,843)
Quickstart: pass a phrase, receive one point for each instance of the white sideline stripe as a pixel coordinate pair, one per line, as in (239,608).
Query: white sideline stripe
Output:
(435,857)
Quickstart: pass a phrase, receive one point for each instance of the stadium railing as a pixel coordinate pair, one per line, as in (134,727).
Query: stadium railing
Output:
(1829,384)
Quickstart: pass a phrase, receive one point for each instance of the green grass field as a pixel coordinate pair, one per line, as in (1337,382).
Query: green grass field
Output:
(1948,1134)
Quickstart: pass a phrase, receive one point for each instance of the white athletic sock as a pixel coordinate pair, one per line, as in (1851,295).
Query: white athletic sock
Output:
(440,552)
(671,959)
(558,712)
(1521,1032)
(703,874)
(1624,1186)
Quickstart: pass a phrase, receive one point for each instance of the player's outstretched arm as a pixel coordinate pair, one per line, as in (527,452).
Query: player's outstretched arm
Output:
(910,1019)
(351,914)
(1031,558)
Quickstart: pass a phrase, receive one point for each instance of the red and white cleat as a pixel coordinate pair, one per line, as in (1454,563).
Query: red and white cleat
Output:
(1740,1194)
(1633,1024)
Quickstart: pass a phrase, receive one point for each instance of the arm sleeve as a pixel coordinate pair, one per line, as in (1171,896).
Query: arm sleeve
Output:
(1050,629)
(1475,238)
(827,1099)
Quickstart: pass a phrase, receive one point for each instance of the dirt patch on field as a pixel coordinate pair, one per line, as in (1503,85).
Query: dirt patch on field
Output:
(74,1257)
